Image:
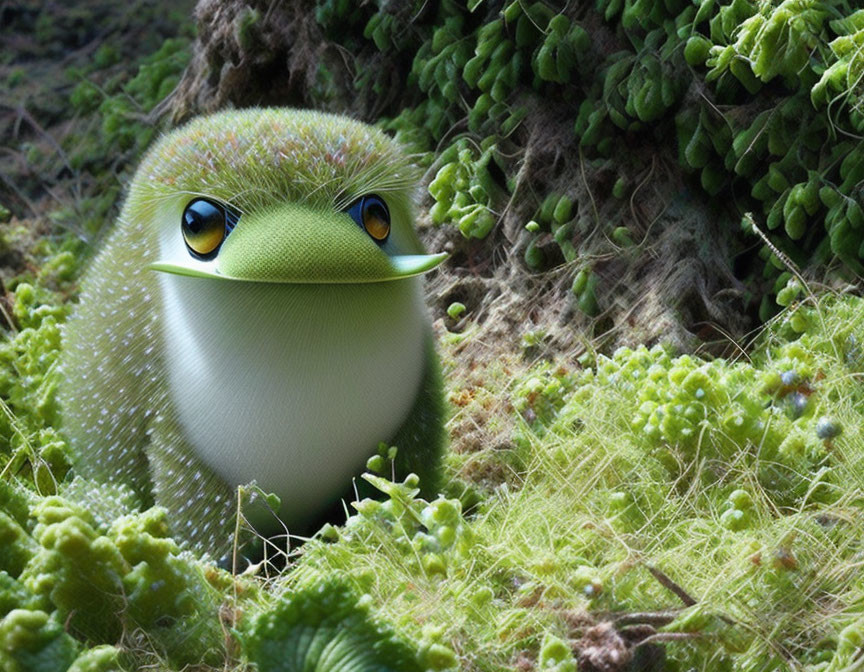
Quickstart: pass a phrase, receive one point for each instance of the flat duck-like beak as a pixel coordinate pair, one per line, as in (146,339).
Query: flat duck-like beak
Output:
(297,244)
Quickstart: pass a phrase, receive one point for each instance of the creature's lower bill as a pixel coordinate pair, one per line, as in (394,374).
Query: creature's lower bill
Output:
(403,266)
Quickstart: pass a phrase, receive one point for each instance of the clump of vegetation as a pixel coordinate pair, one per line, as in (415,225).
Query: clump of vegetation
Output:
(323,623)
(760,97)
(76,126)
(710,503)
(31,446)
(636,502)
(102,583)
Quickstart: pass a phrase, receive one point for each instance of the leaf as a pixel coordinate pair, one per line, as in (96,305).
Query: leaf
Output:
(325,628)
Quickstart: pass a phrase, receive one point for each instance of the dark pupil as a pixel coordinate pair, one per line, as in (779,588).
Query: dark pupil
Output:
(201,216)
(375,209)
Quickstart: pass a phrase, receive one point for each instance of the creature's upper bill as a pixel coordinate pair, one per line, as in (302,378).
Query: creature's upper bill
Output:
(293,243)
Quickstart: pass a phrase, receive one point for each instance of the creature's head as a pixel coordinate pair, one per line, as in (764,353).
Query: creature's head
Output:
(278,195)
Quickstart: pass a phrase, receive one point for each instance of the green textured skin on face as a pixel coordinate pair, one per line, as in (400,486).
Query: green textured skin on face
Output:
(294,243)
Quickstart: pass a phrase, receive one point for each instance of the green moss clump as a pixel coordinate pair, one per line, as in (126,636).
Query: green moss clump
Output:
(101,579)
(556,655)
(132,576)
(31,446)
(776,121)
(16,546)
(102,658)
(325,626)
(14,595)
(157,76)
(33,641)
(463,190)
(721,477)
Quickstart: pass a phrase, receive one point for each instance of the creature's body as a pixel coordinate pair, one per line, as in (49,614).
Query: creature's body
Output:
(280,348)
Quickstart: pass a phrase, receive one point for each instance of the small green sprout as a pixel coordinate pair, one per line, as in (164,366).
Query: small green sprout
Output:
(455,310)
(555,655)
(376,463)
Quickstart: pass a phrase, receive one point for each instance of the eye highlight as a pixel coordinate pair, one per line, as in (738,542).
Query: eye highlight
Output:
(373,216)
(205,225)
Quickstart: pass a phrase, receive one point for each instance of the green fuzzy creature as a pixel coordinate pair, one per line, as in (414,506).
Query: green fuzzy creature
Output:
(256,316)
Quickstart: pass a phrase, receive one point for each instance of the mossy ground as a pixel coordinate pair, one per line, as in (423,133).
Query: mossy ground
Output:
(721,534)
(632,511)
(635,510)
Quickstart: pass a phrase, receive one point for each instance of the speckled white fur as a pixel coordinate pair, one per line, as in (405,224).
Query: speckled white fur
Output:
(291,385)
(184,387)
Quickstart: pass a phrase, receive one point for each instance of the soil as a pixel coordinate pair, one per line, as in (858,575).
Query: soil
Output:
(48,49)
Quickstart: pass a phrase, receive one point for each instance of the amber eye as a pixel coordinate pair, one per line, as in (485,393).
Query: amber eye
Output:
(372,214)
(205,225)
(376,218)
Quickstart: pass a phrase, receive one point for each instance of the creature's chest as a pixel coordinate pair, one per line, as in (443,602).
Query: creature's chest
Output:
(291,385)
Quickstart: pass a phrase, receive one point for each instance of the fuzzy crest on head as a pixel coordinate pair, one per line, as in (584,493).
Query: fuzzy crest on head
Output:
(254,157)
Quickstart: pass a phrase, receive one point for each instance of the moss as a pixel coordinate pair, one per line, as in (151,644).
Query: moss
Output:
(14,595)
(132,576)
(33,641)
(722,475)
(16,546)
(157,76)
(729,511)
(29,376)
(774,147)
(103,658)
(326,627)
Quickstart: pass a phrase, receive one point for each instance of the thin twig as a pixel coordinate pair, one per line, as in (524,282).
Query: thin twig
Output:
(669,637)
(669,584)
(649,617)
